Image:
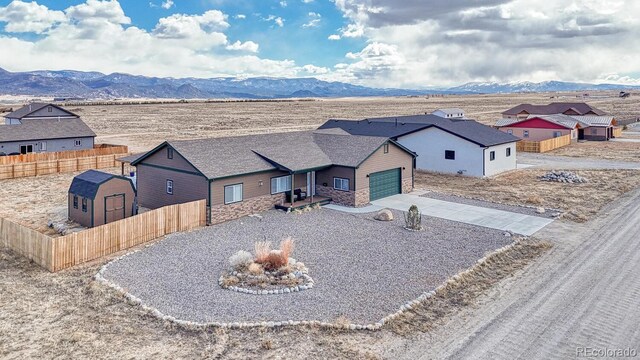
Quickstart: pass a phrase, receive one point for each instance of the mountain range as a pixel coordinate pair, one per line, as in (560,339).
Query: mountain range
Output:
(96,85)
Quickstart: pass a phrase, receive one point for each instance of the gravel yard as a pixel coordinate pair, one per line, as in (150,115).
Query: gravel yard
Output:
(491,205)
(363,269)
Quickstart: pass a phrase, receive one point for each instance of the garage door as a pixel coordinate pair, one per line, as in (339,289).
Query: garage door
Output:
(384,183)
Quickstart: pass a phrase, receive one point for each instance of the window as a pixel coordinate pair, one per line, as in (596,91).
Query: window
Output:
(526,133)
(280,184)
(557,134)
(84,204)
(43,146)
(26,149)
(232,193)
(594,131)
(492,155)
(78,142)
(510,132)
(341,184)
(508,151)
(386,148)
(169,153)
(49,109)
(449,154)
(170,187)
(75,201)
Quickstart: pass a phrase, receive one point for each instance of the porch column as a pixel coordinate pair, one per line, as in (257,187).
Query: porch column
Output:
(292,187)
(312,185)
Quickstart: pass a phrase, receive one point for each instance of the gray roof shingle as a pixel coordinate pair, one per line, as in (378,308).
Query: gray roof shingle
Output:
(294,151)
(45,129)
(88,183)
(553,108)
(394,127)
(31,108)
(566,121)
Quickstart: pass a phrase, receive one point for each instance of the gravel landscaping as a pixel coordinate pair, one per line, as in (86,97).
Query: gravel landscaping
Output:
(363,269)
(491,205)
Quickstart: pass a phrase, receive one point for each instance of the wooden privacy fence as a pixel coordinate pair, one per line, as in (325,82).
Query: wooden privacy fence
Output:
(617,132)
(544,145)
(20,170)
(98,150)
(63,252)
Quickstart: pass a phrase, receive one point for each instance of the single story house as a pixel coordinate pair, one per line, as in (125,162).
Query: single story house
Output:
(98,198)
(242,175)
(442,145)
(540,127)
(543,127)
(523,111)
(451,113)
(43,128)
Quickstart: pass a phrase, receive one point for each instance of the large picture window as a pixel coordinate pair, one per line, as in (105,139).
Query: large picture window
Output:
(280,184)
(341,184)
(232,193)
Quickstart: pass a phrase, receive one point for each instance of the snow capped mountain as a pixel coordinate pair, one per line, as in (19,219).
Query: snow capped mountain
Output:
(527,86)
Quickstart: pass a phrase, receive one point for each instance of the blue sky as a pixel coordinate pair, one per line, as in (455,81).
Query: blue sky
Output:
(383,43)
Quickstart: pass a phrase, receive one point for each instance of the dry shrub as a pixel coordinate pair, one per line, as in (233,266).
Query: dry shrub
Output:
(286,248)
(230,281)
(256,269)
(267,344)
(263,248)
(241,260)
(342,321)
(275,260)
(534,199)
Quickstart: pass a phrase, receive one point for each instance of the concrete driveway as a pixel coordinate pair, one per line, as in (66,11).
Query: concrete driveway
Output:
(469,214)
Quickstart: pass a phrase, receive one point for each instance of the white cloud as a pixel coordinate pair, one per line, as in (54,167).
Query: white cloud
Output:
(180,46)
(315,70)
(249,46)
(334,37)
(276,20)
(29,17)
(283,3)
(240,16)
(314,20)
(167,4)
(307,1)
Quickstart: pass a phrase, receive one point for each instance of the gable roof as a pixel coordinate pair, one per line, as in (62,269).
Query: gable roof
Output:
(33,107)
(450,111)
(594,120)
(88,183)
(553,108)
(294,151)
(565,121)
(395,127)
(45,129)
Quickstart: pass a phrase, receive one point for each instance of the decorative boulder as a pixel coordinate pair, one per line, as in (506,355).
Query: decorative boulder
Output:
(384,215)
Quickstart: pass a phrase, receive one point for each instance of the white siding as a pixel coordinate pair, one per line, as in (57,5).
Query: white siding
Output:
(502,162)
(430,144)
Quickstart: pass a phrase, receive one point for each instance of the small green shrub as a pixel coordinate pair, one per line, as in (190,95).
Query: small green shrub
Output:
(413,218)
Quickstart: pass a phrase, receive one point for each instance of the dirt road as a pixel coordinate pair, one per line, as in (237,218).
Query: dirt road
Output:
(583,294)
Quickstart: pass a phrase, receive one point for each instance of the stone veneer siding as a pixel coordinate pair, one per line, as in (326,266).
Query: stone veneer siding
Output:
(222,213)
(407,185)
(346,198)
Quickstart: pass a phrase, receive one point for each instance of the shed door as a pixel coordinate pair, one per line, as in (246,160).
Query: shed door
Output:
(114,208)
(384,183)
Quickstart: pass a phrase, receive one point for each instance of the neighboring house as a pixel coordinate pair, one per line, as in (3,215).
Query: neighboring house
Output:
(242,175)
(543,127)
(98,198)
(442,145)
(453,113)
(523,111)
(540,127)
(43,128)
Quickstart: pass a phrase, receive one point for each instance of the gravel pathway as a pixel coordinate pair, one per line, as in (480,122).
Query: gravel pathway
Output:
(363,269)
(491,205)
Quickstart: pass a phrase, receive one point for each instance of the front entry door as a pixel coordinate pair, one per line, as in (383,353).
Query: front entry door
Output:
(114,208)
(311,183)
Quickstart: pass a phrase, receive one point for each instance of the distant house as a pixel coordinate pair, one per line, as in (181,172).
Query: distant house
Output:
(523,111)
(242,175)
(543,127)
(98,198)
(452,113)
(442,145)
(41,127)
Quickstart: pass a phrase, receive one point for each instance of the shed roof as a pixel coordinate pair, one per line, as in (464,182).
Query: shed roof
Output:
(553,108)
(395,127)
(88,183)
(294,151)
(558,119)
(45,129)
(33,107)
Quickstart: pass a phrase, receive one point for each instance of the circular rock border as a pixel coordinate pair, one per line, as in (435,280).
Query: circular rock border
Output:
(308,284)
(192,325)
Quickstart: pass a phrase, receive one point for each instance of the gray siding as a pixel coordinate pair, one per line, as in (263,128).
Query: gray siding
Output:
(53,145)
(44,112)
(152,182)
(77,215)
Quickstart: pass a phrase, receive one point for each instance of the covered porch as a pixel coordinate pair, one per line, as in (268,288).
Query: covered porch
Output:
(310,201)
(302,191)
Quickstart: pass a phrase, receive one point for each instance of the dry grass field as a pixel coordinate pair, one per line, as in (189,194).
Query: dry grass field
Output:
(144,126)
(522,187)
(608,150)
